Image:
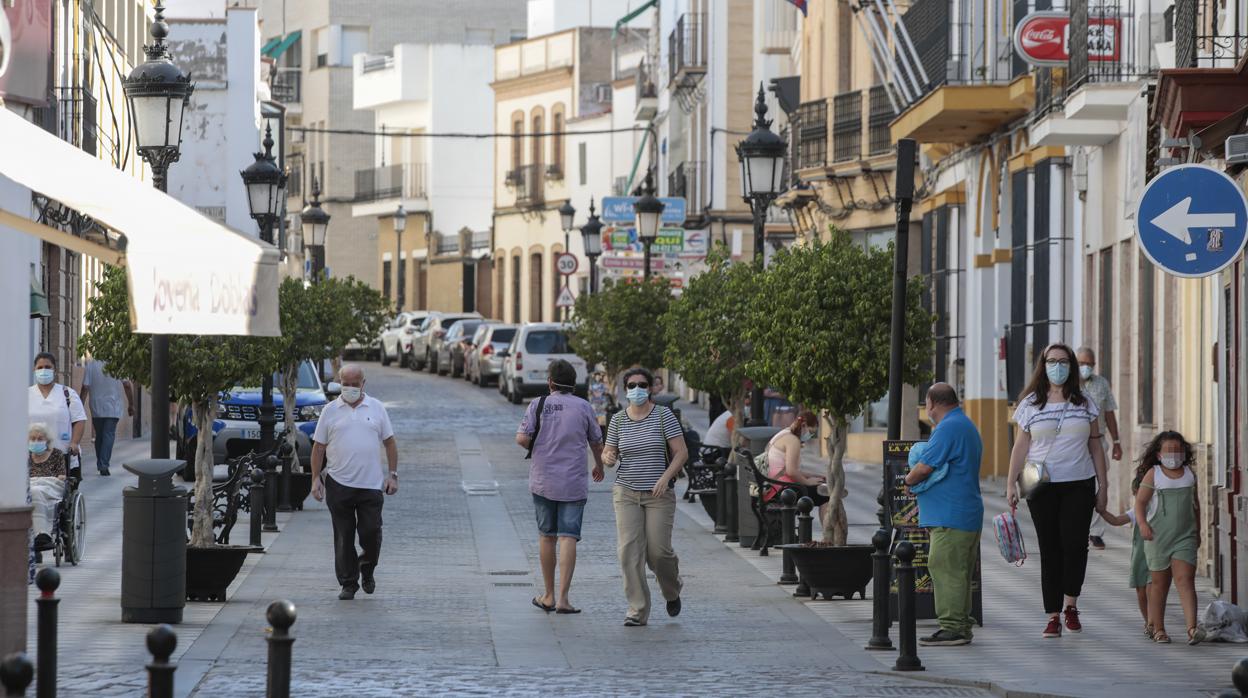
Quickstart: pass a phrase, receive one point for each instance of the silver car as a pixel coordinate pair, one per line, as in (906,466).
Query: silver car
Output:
(484,363)
(423,354)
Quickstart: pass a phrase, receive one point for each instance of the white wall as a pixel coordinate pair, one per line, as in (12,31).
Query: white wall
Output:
(549,16)
(461,186)
(17,251)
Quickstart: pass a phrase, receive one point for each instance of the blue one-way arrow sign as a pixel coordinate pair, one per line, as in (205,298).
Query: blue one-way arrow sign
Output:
(1192,220)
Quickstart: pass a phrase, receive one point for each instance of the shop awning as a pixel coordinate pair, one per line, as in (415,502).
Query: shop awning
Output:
(187,273)
(276,47)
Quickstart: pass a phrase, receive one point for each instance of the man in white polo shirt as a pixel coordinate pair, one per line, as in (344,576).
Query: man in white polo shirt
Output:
(352,431)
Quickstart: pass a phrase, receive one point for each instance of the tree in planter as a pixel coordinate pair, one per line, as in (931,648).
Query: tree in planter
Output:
(305,318)
(819,325)
(621,325)
(200,368)
(704,330)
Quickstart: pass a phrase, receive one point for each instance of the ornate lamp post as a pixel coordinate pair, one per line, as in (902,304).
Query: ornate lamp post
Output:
(157,92)
(762,164)
(315,223)
(400,224)
(591,236)
(649,211)
(266,188)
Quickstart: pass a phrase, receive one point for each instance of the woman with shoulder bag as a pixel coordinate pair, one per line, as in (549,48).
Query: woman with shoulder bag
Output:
(1057,455)
(647,442)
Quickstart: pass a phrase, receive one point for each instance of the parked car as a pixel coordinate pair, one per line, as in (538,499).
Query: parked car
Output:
(396,339)
(236,429)
(355,350)
(530,352)
(454,345)
(484,362)
(425,343)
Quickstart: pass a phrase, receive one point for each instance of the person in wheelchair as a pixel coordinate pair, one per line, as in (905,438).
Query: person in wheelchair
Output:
(49,472)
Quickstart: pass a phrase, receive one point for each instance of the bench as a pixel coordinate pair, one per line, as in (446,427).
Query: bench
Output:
(231,493)
(766,511)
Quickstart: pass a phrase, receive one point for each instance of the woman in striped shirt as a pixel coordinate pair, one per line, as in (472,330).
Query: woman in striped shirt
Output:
(648,443)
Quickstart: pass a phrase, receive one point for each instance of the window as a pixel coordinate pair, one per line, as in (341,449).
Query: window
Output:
(547,342)
(1016,361)
(1144,375)
(536,157)
(322,47)
(515,288)
(1105,342)
(583,158)
(517,142)
(385,278)
(556,143)
(402,279)
(354,40)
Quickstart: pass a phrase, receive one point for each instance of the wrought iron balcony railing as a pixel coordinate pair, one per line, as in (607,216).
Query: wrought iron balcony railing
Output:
(687,46)
(812,134)
(1209,34)
(286,86)
(529,184)
(847,126)
(390,182)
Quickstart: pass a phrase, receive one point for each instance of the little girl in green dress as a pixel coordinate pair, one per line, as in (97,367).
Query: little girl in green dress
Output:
(1139,576)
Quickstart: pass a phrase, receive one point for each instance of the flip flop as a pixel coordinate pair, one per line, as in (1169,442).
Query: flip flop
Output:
(567,610)
(542,606)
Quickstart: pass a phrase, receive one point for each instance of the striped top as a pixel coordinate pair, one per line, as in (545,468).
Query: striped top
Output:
(642,446)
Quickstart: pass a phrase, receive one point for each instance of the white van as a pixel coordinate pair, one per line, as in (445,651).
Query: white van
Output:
(528,356)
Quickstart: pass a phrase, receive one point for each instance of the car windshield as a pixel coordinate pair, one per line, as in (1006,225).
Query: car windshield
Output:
(547,342)
(470,326)
(447,322)
(306,379)
(503,335)
(416,321)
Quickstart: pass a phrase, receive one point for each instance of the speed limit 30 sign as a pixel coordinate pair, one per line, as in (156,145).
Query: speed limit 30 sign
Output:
(566,264)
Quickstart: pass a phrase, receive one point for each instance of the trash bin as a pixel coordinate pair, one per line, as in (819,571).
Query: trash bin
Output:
(747,525)
(153,544)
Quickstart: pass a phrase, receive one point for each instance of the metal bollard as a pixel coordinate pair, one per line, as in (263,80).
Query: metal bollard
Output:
(788,525)
(281,615)
(48,580)
(270,494)
(16,673)
(881,575)
(1239,676)
(907,653)
(161,642)
(805,533)
(721,498)
(284,452)
(730,506)
(256,504)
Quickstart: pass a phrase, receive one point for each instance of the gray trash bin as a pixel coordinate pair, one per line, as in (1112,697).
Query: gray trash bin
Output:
(153,544)
(757,438)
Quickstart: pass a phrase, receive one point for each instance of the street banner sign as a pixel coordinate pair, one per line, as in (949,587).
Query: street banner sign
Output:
(657,264)
(670,241)
(619,209)
(566,264)
(1043,38)
(1192,220)
(566,299)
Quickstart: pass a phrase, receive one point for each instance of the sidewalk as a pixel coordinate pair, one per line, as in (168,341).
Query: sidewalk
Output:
(1110,658)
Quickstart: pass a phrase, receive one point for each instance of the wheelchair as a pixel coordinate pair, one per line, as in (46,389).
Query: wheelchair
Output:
(69,525)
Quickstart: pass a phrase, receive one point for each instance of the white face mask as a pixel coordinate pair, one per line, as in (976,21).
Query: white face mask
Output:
(1085,372)
(1171,461)
(351,393)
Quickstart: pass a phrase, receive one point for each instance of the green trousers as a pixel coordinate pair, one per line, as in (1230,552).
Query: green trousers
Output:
(951,561)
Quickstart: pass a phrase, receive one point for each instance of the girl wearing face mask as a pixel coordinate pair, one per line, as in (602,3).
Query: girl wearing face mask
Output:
(784,460)
(1057,426)
(1168,511)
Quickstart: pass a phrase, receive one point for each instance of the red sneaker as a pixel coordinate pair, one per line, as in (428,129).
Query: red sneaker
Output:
(1054,628)
(1072,620)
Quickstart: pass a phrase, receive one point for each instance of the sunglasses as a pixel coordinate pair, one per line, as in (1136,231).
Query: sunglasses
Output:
(630,386)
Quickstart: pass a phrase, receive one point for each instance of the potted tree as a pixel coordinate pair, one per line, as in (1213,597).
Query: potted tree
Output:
(819,325)
(200,368)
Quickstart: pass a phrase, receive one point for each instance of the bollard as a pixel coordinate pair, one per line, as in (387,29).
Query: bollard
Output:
(16,673)
(907,653)
(270,494)
(1239,676)
(48,580)
(281,615)
(788,526)
(881,575)
(730,506)
(284,452)
(161,641)
(721,498)
(256,504)
(805,533)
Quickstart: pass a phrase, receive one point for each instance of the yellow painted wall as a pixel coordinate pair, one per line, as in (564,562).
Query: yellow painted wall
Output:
(991,417)
(445,281)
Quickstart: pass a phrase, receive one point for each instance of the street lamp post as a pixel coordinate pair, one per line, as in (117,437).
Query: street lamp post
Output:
(567,217)
(157,92)
(266,187)
(762,164)
(591,236)
(400,224)
(315,222)
(649,212)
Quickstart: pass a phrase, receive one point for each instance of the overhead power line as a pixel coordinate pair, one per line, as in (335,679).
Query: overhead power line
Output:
(473,136)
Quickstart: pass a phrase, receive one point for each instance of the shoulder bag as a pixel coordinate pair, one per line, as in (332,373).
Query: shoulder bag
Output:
(1035,473)
(72,461)
(537,426)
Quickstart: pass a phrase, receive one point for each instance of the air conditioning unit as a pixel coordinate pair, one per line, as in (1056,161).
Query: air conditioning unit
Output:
(1237,149)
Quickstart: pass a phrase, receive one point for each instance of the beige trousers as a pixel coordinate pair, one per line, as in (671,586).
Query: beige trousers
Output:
(643,526)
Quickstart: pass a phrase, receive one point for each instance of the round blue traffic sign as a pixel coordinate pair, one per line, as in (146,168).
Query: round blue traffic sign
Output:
(1192,220)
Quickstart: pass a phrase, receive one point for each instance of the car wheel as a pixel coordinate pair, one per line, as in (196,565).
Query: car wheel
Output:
(404,360)
(385,358)
(413,364)
(514,395)
(429,362)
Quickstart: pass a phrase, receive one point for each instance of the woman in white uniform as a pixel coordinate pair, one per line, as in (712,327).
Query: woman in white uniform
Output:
(57,406)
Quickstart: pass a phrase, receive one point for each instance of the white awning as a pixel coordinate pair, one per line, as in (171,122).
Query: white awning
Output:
(187,273)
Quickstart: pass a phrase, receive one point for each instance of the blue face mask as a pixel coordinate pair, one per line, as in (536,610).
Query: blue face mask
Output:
(638,396)
(44,376)
(1057,373)
(37,447)
(807,436)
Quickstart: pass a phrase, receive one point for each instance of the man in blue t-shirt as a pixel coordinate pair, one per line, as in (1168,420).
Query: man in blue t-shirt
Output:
(952,509)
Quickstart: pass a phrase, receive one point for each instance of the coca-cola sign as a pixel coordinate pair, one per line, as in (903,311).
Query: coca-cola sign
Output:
(1043,38)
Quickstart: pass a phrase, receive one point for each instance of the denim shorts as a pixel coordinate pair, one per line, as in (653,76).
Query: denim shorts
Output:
(559,518)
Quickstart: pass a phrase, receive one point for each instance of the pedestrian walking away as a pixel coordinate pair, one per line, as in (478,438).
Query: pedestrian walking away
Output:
(945,480)
(1058,434)
(647,443)
(57,406)
(559,430)
(351,433)
(108,400)
(1097,389)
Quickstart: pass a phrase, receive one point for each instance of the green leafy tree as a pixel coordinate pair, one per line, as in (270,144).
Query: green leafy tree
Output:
(305,317)
(201,367)
(819,324)
(705,329)
(357,312)
(621,325)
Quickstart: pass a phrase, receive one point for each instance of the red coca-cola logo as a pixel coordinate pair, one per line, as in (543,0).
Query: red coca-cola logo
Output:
(1038,36)
(1041,38)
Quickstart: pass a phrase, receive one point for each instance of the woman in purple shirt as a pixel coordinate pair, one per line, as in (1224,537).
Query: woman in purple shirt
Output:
(556,430)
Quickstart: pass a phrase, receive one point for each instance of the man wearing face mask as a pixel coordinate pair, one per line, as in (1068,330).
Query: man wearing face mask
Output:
(57,406)
(352,432)
(1097,387)
(945,479)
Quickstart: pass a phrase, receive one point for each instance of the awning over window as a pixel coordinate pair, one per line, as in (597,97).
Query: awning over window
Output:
(187,273)
(633,15)
(270,45)
(276,47)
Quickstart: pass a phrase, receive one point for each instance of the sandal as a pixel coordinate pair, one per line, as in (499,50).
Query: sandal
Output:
(1195,635)
(542,606)
(567,610)
(1148,630)
(1161,638)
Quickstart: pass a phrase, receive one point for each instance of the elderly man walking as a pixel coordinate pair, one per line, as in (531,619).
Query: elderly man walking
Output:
(946,481)
(352,432)
(1097,387)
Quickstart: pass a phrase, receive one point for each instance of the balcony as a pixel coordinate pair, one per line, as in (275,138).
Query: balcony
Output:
(529,185)
(847,126)
(1210,78)
(880,141)
(687,50)
(390,182)
(647,94)
(286,86)
(686,182)
(812,135)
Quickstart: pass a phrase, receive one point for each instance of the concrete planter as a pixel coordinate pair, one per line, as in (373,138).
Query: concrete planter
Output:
(833,570)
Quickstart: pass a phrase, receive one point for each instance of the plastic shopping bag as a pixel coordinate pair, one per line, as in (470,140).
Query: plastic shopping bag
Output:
(1225,622)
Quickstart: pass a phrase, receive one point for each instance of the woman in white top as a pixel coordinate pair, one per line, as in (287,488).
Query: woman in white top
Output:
(1057,427)
(57,406)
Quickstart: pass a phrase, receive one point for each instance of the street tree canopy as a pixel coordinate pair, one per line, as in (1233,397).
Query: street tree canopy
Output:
(621,325)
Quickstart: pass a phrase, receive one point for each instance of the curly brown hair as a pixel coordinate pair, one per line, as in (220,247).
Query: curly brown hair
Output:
(1152,455)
